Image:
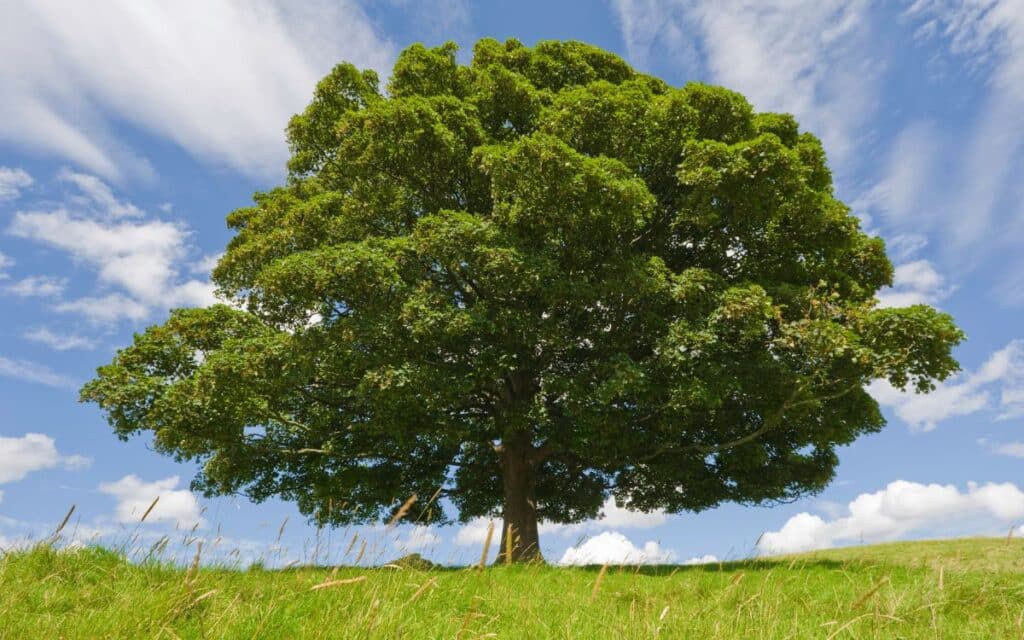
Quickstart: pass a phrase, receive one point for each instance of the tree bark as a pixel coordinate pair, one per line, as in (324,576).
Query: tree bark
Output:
(519,473)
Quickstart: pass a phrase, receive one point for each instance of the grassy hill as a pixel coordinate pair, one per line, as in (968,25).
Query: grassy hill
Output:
(971,588)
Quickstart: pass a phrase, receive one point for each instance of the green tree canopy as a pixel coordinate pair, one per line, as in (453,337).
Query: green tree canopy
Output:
(531,282)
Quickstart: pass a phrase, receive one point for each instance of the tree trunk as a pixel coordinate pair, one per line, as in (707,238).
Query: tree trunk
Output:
(520,514)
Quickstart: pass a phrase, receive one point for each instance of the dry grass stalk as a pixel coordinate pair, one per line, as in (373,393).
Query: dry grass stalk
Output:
(845,626)
(63,523)
(335,583)
(402,511)
(508,546)
(193,569)
(426,507)
(362,550)
(371,615)
(600,579)
(469,614)
(208,594)
(429,584)
(942,571)
(487,545)
(280,531)
(351,544)
(870,592)
(150,509)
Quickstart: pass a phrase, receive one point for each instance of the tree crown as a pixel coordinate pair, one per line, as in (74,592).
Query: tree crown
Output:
(650,291)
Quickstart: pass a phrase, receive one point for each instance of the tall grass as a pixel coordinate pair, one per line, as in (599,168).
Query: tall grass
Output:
(972,588)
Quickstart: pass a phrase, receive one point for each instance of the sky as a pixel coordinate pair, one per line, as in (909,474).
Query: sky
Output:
(130,129)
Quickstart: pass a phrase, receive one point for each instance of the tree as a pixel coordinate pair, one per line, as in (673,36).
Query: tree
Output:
(524,285)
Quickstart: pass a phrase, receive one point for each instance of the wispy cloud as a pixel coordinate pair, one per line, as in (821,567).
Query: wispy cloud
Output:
(219,78)
(141,257)
(59,341)
(37,287)
(27,371)
(996,386)
(812,58)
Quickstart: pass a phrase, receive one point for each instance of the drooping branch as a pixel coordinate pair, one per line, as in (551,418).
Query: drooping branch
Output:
(770,423)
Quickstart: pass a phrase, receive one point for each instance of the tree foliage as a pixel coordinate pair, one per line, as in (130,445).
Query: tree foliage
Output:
(639,290)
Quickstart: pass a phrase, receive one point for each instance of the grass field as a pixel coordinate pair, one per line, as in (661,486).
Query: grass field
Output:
(971,588)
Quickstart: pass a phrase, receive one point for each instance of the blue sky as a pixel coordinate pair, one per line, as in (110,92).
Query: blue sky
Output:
(128,130)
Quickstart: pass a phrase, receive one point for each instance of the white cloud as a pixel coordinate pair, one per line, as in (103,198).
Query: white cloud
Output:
(219,78)
(33,452)
(611,547)
(421,537)
(616,517)
(902,193)
(142,257)
(59,341)
(904,245)
(988,37)
(441,19)
(474,532)
(205,264)
(899,509)
(915,282)
(12,181)
(965,394)
(97,194)
(612,516)
(705,559)
(1012,449)
(134,497)
(106,309)
(6,262)
(812,58)
(33,372)
(38,287)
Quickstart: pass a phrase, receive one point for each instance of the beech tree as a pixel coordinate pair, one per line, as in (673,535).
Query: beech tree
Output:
(521,286)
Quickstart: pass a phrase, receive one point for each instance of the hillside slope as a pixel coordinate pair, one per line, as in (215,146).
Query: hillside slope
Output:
(971,588)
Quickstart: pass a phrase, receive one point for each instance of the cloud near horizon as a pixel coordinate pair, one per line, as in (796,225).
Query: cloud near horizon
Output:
(902,508)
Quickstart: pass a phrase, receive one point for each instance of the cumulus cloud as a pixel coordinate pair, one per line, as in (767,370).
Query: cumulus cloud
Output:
(611,547)
(134,496)
(59,341)
(33,452)
(12,181)
(28,371)
(141,257)
(900,509)
(474,532)
(998,385)
(812,58)
(705,559)
(915,282)
(219,78)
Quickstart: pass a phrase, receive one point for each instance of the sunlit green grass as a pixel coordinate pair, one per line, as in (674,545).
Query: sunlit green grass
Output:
(948,589)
